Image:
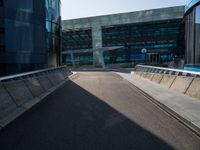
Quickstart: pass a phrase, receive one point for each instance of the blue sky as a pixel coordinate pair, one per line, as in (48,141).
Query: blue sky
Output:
(85,8)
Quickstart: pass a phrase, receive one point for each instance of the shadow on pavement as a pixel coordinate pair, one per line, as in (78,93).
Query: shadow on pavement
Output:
(73,119)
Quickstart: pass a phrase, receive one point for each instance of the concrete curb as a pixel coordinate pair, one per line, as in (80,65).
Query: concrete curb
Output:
(14,106)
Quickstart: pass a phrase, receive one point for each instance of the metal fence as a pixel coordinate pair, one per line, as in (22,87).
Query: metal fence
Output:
(38,73)
(170,71)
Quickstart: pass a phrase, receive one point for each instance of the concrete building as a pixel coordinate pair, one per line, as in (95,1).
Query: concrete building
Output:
(192,29)
(30,33)
(149,36)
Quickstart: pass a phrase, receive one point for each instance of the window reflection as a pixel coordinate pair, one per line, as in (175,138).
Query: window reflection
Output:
(48,26)
(164,39)
(53,29)
(192,20)
(53,10)
(197,40)
(198,14)
(20,5)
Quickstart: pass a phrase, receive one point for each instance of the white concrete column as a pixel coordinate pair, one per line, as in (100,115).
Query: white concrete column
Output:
(72,59)
(97,43)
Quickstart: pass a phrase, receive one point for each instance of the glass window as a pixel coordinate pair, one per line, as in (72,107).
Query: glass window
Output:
(23,32)
(22,5)
(197,20)
(39,39)
(2,48)
(1,2)
(53,10)
(197,35)
(48,26)
(1,39)
(2,31)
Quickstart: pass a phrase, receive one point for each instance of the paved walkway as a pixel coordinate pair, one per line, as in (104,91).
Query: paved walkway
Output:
(186,107)
(97,111)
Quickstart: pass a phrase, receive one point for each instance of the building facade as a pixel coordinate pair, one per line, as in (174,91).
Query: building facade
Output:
(53,32)
(25,32)
(151,36)
(192,29)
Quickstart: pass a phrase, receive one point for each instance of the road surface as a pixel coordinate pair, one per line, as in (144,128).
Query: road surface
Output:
(97,111)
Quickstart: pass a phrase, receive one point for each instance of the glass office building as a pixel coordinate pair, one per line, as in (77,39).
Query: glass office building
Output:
(153,37)
(192,20)
(150,42)
(23,34)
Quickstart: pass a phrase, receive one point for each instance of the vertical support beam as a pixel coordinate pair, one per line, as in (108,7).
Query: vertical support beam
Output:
(97,43)
(52,59)
(72,59)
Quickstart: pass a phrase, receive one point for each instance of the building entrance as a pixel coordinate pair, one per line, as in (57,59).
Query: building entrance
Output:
(153,58)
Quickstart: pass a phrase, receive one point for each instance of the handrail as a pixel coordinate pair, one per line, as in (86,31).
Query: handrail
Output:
(170,71)
(36,73)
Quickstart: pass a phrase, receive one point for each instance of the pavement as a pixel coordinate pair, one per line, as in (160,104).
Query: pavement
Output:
(184,107)
(97,111)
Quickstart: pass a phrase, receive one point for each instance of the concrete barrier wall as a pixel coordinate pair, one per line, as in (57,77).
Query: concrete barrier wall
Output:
(56,79)
(140,73)
(150,76)
(182,84)
(167,80)
(144,74)
(18,96)
(61,76)
(7,105)
(66,73)
(157,78)
(194,89)
(19,92)
(53,79)
(45,82)
(34,86)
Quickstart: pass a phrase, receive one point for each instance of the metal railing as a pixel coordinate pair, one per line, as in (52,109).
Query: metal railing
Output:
(32,74)
(170,71)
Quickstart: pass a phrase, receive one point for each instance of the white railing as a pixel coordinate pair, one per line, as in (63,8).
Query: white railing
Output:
(37,73)
(170,71)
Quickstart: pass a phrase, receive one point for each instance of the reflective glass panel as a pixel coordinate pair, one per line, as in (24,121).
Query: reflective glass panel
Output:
(1,2)
(197,20)
(197,34)
(19,36)
(21,5)
(53,10)
(48,26)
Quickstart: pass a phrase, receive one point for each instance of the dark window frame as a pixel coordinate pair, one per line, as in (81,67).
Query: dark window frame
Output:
(2,30)
(2,48)
(1,3)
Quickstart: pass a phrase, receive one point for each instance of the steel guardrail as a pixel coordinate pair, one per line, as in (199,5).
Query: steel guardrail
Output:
(37,73)
(170,71)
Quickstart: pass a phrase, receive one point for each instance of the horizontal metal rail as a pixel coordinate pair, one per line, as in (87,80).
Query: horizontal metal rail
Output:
(38,73)
(170,71)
